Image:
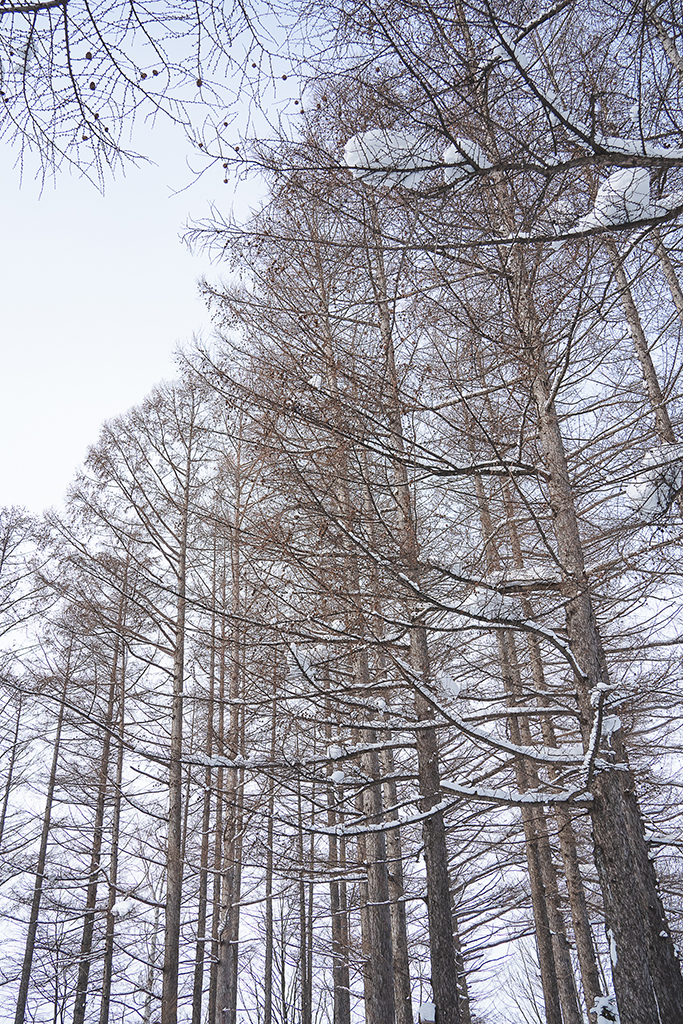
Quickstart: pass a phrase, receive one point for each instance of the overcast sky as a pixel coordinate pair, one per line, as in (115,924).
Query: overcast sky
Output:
(96,293)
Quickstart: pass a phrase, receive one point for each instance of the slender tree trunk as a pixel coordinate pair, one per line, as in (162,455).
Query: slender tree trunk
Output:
(200,949)
(110,922)
(531,819)
(42,856)
(657,401)
(228,936)
(10,771)
(151,967)
(665,39)
(442,949)
(174,861)
(96,850)
(270,836)
(669,272)
(375,912)
(304,976)
(228,944)
(583,935)
(218,844)
(646,973)
(463,989)
(402,990)
(380,993)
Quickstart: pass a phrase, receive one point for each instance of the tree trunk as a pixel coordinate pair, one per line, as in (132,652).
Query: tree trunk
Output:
(93,874)
(110,923)
(645,970)
(270,835)
(213,1017)
(669,272)
(174,861)
(657,401)
(10,770)
(42,856)
(200,949)
(305,980)
(402,990)
(583,935)
(441,946)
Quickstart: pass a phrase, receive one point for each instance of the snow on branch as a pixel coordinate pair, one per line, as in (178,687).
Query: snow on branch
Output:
(624,198)
(383,158)
(659,483)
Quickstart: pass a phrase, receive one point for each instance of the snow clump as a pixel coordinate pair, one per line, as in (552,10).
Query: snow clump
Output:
(123,907)
(460,159)
(655,488)
(624,197)
(337,777)
(447,683)
(386,158)
(605,1009)
(489,604)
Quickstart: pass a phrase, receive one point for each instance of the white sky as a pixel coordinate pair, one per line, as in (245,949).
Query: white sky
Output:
(96,293)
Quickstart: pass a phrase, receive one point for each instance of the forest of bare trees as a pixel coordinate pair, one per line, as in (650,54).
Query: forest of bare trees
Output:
(346,684)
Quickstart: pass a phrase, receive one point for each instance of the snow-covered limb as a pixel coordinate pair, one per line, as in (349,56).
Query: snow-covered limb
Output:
(383,158)
(460,159)
(624,198)
(578,797)
(441,807)
(657,486)
(543,755)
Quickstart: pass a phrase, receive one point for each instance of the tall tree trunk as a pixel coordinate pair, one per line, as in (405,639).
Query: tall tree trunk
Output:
(213,1017)
(647,976)
(379,964)
(42,856)
(441,946)
(96,850)
(228,940)
(654,392)
(375,912)
(554,991)
(305,980)
(10,770)
(110,921)
(399,936)
(583,935)
(341,991)
(200,948)
(270,836)
(174,860)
